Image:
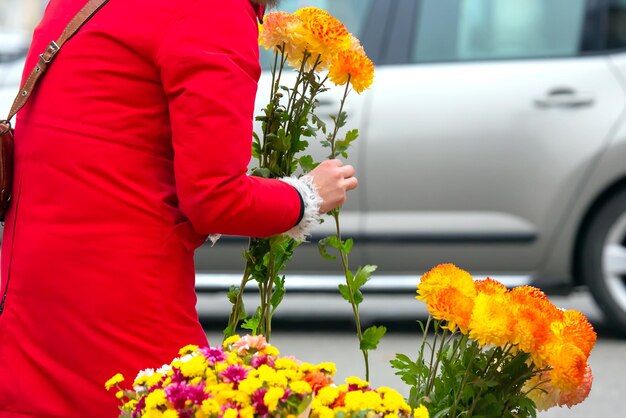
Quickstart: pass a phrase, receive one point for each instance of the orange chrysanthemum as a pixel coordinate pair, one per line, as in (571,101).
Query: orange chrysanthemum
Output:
(453,306)
(490,287)
(569,366)
(578,330)
(353,66)
(492,322)
(321,33)
(541,392)
(317,380)
(443,276)
(534,314)
(278,32)
(579,393)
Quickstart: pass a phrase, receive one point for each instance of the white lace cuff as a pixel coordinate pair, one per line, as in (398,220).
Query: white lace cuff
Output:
(312,202)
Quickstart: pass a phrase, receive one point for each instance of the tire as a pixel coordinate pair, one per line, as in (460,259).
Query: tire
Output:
(603,260)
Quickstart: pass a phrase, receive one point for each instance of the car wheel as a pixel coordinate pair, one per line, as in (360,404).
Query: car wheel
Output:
(603,259)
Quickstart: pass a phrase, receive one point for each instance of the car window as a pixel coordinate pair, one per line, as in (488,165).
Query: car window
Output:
(352,13)
(616,25)
(467,30)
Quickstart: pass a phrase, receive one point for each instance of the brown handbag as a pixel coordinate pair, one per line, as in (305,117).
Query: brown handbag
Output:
(6,130)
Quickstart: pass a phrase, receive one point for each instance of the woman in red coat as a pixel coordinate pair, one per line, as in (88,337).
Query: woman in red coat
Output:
(132,150)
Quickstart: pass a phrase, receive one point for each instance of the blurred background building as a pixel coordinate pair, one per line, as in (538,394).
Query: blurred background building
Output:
(20,15)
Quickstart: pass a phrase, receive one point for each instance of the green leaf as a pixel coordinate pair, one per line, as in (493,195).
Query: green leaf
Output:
(279,292)
(307,163)
(261,172)
(347,245)
(358,297)
(363,275)
(232,294)
(345,292)
(372,336)
(321,125)
(321,246)
(252,323)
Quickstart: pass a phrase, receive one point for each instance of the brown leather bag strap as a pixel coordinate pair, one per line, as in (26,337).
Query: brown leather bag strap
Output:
(48,55)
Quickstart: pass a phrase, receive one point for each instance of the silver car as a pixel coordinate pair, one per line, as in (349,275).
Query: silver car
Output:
(494,137)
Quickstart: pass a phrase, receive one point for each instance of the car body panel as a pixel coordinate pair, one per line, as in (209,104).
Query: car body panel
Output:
(458,138)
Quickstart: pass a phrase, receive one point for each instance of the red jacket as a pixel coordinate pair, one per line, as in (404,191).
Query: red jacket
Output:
(134,147)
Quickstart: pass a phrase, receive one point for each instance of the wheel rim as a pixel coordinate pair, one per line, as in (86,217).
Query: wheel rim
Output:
(614,261)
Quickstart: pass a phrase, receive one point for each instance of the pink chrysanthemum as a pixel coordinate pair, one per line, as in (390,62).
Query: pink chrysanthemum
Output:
(213,354)
(234,374)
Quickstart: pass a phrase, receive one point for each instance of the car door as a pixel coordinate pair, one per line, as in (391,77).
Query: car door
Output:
(484,124)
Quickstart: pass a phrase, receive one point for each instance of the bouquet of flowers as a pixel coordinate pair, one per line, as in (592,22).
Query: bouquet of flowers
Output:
(246,377)
(317,49)
(496,352)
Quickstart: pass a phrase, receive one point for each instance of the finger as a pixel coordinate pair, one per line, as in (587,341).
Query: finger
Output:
(348,171)
(351,183)
(335,162)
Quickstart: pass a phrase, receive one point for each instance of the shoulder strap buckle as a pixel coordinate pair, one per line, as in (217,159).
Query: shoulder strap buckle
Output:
(49,54)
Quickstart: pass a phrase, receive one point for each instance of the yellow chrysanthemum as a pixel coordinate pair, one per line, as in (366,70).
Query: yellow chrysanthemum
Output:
(326,395)
(360,401)
(355,381)
(153,379)
(421,412)
(284,363)
(492,322)
(130,405)
(300,387)
(194,367)
(271,376)
(327,367)
(272,396)
(271,351)
(118,378)
(188,349)
(170,413)
(247,412)
(393,402)
(210,407)
(230,340)
(230,413)
(354,67)
(250,385)
(156,399)
(322,412)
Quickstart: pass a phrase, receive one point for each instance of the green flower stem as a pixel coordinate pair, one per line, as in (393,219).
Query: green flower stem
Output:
(437,360)
(233,320)
(355,306)
(342,253)
(457,398)
(333,150)
(489,371)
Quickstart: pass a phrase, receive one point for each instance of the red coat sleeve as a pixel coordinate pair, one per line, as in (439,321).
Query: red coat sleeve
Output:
(208,62)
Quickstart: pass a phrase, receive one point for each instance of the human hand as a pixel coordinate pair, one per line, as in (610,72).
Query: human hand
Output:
(333,179)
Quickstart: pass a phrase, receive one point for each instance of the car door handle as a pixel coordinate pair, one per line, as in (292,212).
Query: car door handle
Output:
(564,97)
